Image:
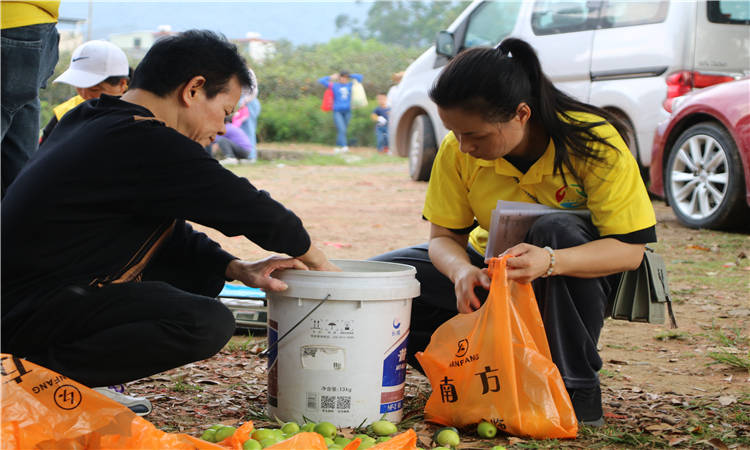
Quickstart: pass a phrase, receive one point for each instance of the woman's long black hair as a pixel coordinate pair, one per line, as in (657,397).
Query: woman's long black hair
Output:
(494,81)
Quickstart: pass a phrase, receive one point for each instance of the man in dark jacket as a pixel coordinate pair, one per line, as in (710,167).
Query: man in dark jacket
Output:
(103,279)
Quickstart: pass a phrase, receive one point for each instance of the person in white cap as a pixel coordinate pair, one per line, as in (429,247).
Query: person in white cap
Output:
(96,68)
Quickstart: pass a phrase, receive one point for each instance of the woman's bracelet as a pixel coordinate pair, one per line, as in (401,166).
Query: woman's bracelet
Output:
(551,268)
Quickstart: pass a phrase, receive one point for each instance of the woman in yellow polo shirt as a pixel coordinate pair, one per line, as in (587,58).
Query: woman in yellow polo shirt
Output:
(514,136)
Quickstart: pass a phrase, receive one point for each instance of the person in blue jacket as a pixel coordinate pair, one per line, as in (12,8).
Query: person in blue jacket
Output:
(341,83)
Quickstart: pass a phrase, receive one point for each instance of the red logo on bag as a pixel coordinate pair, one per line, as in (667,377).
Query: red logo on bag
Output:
(463,347)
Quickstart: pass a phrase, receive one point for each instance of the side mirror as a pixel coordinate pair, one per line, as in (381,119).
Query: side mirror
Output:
(445,44)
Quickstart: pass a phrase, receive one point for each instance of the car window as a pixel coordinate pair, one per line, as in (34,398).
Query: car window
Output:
(733,12)
(626,14)
(553,16)
(491,22)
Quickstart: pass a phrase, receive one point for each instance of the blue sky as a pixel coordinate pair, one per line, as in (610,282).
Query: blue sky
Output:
(301,22)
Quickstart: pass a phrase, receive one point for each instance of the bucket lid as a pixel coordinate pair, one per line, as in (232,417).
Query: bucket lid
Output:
(358,280)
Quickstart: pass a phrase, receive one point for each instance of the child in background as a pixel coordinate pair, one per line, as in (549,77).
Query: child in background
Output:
(96,68)
(380,117)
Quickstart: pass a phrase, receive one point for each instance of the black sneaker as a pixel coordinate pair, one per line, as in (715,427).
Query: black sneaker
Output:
(587,403)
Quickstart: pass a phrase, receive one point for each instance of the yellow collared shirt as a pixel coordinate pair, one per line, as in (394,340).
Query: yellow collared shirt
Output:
(66,106)
(15,14)
(463,189)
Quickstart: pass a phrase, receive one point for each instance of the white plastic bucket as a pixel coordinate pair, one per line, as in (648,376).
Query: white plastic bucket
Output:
(346,362)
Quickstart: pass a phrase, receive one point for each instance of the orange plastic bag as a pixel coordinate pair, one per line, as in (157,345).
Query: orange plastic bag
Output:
(494,364)
(305,440)
(46,410)
(404,441)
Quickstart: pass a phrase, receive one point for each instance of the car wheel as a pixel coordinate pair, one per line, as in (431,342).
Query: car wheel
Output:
(704,179)
(631,142)
(422,148)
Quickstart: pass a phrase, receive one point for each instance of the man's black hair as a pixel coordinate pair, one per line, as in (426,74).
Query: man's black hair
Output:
(175,60)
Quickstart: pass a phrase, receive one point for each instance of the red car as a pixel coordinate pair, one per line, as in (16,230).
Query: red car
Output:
(701,157)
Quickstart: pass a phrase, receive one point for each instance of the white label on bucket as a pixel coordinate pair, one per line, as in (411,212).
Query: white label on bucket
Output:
(322,357)
(332,329)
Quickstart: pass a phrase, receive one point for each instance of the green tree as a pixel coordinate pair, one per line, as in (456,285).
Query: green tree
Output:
(404,23)
(293,72)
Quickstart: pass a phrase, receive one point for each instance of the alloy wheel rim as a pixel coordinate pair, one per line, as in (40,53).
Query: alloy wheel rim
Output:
(699,177)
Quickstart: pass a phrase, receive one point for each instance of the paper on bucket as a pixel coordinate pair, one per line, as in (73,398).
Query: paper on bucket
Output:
(510,221)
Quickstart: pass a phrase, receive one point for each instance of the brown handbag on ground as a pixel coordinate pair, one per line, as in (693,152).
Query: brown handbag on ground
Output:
(643,293)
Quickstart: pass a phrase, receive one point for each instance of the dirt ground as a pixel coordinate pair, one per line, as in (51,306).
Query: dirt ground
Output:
(688,387)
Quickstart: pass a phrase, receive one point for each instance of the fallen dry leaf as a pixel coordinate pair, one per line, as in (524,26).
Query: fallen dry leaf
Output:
(677,440)
(717,444)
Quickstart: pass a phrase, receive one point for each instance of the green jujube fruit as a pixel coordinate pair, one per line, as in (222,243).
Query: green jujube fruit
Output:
(251,444)
(384,428)
(290,428)
(224,432)
(262,433)
(435,435)
(448,438)
(269,441)
(326,429)
(209,435)
(366,443)
(341,440)
(486,430)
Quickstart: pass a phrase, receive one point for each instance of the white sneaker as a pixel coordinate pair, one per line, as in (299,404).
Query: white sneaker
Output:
(226,161)
(339,150)
(139,405)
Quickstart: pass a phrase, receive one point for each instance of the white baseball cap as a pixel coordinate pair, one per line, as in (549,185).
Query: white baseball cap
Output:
(94,62)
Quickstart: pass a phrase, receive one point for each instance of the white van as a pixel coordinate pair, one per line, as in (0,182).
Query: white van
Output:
(625,56)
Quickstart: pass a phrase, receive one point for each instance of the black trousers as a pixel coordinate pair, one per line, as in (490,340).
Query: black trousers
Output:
(573,309)
(123,332)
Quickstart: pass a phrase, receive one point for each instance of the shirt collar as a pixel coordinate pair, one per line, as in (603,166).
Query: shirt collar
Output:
(543,166)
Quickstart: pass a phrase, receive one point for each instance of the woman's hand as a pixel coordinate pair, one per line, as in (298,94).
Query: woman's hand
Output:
(528,262)
(258,274)
(466,279)
(598,258)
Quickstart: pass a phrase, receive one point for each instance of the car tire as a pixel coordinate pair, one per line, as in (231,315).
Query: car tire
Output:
(422,148)
(631,142)
(703,179)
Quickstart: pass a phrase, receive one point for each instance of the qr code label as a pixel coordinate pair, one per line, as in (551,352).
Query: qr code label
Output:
(327,402)
(312,400)
(343,403)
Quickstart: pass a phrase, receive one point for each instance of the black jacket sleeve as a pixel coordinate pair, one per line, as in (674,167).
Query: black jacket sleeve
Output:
(195,248)
(177,178)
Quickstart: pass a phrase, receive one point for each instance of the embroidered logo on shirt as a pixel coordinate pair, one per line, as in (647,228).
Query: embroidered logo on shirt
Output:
(571,198)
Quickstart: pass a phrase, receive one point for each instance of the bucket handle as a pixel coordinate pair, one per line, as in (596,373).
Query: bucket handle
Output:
(264,353)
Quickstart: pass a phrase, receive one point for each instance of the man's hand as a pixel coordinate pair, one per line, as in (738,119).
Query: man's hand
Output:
(258,274)
(465,281)
(315,259)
